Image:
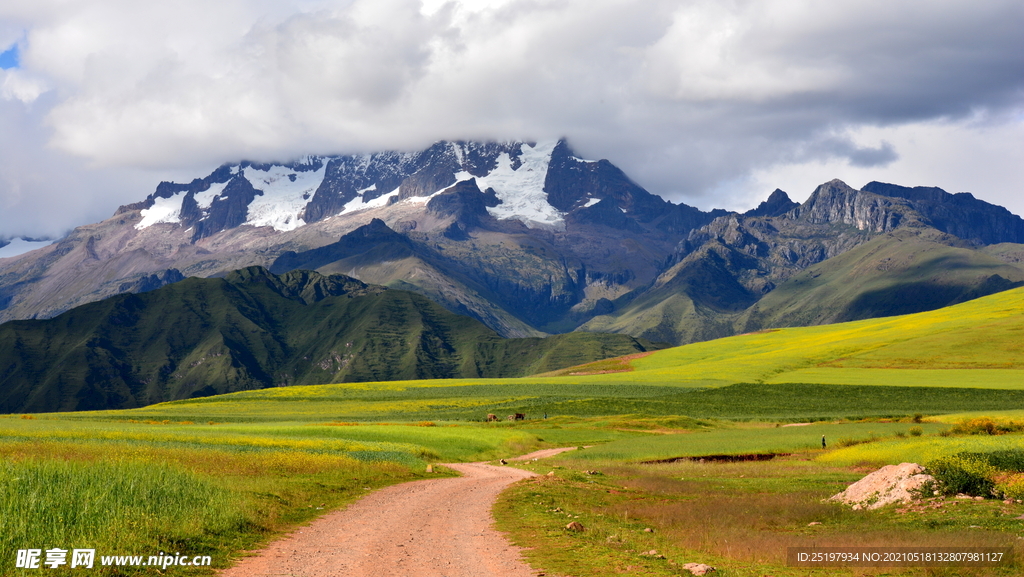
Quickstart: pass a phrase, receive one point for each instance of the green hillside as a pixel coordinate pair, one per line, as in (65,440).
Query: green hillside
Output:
(903,272)
(969,357)
(909,270)
(979,343)
(253,330)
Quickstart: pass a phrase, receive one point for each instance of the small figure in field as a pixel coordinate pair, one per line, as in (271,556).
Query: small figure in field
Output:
(823,442)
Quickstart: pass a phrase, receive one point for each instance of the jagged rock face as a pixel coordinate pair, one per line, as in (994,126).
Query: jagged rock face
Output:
(836,203)
(958,214)
(833,220)
(410,174)
(876,255)
(465,202)
(525,237)
(784,239)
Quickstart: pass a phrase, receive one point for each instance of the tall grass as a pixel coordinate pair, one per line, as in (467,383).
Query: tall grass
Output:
(121,507)
(921,449)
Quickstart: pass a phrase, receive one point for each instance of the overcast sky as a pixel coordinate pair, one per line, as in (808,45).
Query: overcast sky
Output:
(713,103)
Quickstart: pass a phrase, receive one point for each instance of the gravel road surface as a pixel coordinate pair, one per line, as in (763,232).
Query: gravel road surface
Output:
(434,527)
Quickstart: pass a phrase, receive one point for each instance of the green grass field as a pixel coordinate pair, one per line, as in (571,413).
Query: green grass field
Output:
(250,465)
(926,362)
(746,440)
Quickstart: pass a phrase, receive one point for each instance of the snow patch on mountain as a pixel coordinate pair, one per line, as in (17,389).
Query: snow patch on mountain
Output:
(521,190)
(205,198)
(164,210)
(285,193)
(357,203)
(591,202)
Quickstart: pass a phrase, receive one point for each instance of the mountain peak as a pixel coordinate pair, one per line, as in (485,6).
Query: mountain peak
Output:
(778,203)
(835,202)
(305,286)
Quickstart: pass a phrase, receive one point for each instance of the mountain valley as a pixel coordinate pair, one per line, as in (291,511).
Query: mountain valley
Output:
(527,238)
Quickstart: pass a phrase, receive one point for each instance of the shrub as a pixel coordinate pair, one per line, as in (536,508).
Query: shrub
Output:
(985,426)
(1008,460)
(1010,486)
(916,431)
(964,474)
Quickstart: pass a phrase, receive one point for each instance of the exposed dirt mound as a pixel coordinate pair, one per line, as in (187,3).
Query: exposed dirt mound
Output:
(890,484)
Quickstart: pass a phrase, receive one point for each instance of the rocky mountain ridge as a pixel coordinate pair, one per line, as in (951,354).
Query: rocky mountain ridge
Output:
(728,276)
(552,227)
(525,237)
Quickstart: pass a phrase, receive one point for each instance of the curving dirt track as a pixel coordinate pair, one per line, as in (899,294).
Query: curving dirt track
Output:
(434,527)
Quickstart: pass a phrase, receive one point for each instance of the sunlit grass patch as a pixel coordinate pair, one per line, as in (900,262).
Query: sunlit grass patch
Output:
(139,498)
(364,442)
(740,440)
(920,449)
(117,507)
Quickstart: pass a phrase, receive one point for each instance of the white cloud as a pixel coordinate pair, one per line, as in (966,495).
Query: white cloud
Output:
(15,84)
(698,100)
(971,155)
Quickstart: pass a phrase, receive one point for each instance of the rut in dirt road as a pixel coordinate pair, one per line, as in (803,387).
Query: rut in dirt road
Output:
(434,527)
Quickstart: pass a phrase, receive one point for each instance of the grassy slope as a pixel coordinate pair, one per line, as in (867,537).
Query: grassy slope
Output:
(962,358)
(903,272)
(978,343)
(207,336)
(907,271)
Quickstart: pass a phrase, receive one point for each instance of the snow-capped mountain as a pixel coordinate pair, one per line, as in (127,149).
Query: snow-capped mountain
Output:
(530,239)
(287,196)
(545,228)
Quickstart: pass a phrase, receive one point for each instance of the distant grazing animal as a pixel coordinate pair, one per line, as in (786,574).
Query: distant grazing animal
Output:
(492,417)
(518,417)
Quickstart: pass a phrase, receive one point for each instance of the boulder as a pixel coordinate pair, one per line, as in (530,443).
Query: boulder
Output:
(890,484)
(698,568)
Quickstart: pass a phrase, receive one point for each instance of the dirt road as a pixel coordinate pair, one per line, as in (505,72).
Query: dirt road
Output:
(434,527)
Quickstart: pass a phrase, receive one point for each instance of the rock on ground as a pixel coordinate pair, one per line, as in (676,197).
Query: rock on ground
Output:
(890,484)
(698,568)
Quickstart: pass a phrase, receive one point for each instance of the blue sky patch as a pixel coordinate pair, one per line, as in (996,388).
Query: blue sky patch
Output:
(9,58)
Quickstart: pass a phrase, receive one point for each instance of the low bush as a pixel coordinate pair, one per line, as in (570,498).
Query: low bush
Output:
(1010,486)
(993,473)
(965,474)
(1008,460)
(986,426)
